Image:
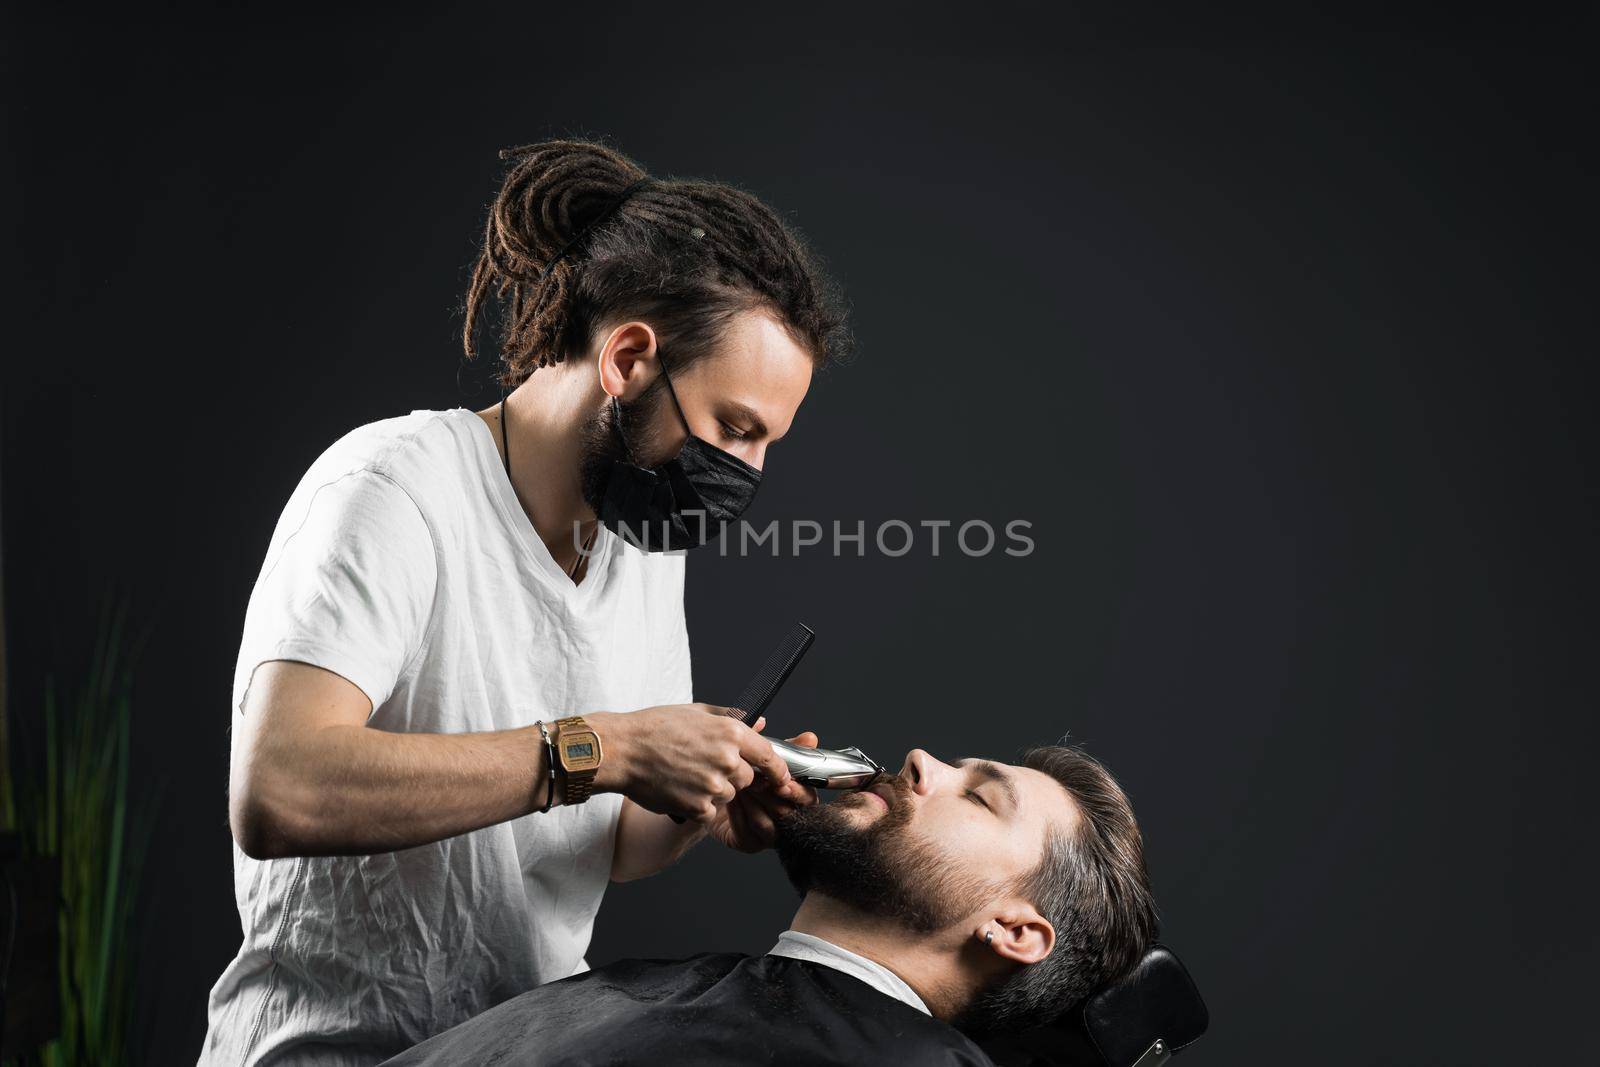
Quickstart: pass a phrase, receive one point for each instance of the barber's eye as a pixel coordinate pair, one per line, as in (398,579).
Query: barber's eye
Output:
(976,799)
(732,431)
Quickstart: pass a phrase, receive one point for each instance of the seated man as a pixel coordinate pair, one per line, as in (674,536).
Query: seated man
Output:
(977,896)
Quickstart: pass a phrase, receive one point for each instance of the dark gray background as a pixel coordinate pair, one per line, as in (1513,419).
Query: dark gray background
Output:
(1273,326)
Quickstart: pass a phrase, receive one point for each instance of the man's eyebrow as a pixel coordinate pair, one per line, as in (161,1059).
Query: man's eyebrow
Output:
(737,412)
(1000,776)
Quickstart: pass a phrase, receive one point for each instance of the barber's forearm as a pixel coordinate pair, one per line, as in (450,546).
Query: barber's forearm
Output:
(648,843)
(357,790)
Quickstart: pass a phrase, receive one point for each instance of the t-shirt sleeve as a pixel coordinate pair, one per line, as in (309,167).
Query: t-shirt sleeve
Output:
(347,586)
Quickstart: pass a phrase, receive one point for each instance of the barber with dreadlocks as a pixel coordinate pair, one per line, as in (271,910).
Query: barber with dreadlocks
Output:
(462,697)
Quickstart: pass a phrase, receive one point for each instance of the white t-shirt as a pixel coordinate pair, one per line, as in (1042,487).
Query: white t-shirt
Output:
(404,563)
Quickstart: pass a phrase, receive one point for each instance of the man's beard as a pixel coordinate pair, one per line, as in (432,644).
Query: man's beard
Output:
(883,869)
(601,446)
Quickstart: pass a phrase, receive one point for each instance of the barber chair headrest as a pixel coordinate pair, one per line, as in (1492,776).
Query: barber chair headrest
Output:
(1137,1022)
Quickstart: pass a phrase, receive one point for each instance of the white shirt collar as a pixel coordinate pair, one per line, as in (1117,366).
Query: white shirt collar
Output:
(798,946)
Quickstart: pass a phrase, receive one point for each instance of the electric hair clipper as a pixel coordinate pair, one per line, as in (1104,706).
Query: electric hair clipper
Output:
(828,768)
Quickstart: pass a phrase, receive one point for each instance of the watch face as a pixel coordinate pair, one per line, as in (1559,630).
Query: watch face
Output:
(580,751)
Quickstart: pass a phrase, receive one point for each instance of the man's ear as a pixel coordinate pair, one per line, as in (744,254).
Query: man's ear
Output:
(627,360)
(1017,933)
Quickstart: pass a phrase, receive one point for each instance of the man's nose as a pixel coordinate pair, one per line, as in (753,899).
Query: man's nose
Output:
(924,772)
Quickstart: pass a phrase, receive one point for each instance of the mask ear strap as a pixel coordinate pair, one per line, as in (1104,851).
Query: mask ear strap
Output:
(675,401)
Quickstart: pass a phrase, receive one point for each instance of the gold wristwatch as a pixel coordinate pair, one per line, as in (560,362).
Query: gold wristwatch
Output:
(578,748)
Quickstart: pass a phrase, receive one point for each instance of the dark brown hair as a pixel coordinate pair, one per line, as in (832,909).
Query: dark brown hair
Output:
(1093,888)
(681,254)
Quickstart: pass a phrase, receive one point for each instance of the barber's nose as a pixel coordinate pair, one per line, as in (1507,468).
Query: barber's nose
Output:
(924,772)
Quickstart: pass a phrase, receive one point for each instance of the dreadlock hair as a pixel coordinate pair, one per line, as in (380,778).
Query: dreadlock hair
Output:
(684,255)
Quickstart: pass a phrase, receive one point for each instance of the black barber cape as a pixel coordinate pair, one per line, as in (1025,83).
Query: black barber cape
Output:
(713,1009)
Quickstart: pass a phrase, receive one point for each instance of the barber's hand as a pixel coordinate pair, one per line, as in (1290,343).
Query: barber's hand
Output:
(748,822)
(688,760)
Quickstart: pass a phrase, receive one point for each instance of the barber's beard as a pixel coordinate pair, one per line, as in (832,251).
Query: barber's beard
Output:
(601,445)
(884,868)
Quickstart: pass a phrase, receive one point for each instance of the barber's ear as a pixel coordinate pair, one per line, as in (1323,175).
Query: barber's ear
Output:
(1020,935)
(627,357)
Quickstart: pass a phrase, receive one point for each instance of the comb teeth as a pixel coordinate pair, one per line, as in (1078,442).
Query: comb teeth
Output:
(774,672)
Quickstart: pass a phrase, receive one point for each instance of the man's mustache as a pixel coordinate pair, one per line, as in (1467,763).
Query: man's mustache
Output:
(897,786)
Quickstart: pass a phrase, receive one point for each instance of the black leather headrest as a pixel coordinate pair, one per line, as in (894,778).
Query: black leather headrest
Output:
(1116,1025)
(1158,1000)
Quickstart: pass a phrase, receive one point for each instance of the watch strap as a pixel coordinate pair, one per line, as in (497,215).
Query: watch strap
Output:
(579,786)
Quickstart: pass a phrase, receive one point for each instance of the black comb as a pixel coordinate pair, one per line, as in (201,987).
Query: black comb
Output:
(774,672)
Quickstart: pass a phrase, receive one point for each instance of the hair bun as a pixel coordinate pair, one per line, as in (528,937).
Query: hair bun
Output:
(553,190)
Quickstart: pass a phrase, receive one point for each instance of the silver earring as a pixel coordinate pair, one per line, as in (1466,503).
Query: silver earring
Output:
(988,937)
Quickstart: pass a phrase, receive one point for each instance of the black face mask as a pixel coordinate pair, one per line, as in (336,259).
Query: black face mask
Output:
(684,502)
